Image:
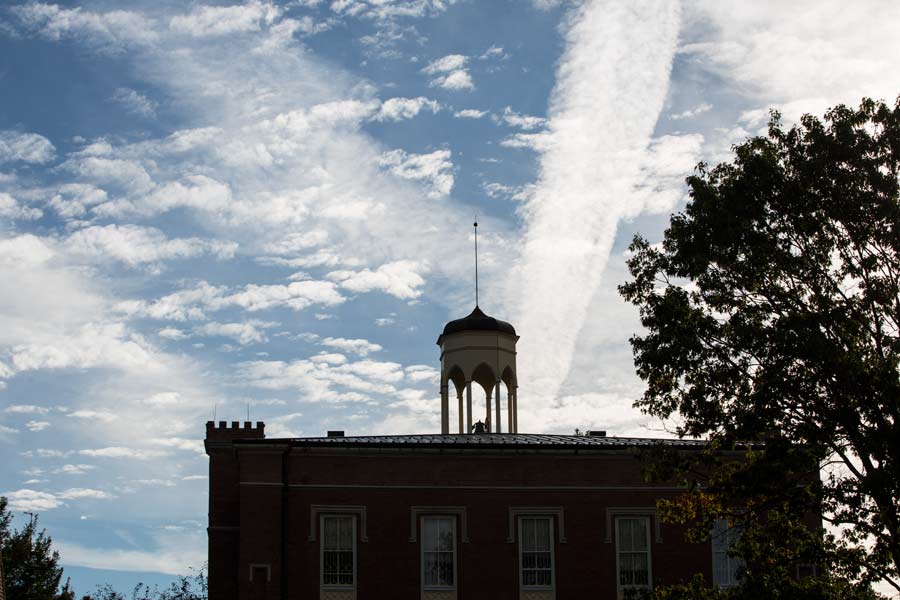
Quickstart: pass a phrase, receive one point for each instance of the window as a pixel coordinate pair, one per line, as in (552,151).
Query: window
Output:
(438,552)
(725,567)
(338,550)
(633,551)
(536,552)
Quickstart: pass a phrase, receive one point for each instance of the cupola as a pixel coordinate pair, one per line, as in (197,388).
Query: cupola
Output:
(478,349)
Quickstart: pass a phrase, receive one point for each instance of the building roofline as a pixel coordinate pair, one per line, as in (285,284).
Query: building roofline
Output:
(522,441)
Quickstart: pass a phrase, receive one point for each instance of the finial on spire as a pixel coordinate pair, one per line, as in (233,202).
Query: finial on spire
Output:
(476,260)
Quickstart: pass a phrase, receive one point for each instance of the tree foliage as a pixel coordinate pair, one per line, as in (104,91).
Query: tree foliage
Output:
(772,314)
(31,569)
(185,587)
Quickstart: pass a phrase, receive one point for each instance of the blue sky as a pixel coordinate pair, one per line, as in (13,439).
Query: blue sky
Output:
(210,206)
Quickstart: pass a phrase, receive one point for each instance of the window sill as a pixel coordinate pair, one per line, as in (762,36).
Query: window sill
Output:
(438,588)
(337,588)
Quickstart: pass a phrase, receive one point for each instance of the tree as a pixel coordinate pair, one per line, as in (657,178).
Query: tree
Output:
(185,587)
(31,569)
(772,316)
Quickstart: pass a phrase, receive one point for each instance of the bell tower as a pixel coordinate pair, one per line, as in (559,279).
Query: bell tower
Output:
(482,350)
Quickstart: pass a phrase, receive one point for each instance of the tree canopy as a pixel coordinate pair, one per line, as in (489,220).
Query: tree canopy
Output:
(772,316)
(31,569)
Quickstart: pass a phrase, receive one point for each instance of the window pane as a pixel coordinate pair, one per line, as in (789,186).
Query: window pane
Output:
(527,535)
(639,530)
(330,534)
(430,568)
(345,539)
(542,535)
(633,551)
(445,541)
(337,550)
(544,578)
(641,572)
(438,534)
(446,568)
(430,535)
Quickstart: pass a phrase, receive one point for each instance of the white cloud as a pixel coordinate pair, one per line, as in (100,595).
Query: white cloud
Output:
(435,168)
(171,333)
(387,10)
(423,373)
(527,122)
(207,21)
(135,102)
(10,209)
(122,452)
(25,147)
(135,245)
(470,113)
(175,443)
(168,555)
(401,278)
(164,399)
(192,303)
(128,175)
(93,415)
(247,332)
(37,425)
(112,31)
(70,469)
(807,55)
(454,80)
(358,347)
(494,52)
(26,500)
(451,62)
(297,295)
(611,84)
(397,109)
(532,141)
(324,381)
(84,493)
(449,72)
(692,112)
(74,199)
(26,409)
(90,345)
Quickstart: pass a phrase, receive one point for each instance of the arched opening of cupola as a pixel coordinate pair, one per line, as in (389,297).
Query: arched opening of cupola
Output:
(484,376)
(509,399)
(456,408)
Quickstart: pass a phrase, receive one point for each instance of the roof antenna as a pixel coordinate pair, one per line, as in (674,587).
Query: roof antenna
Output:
(248,410)
(476,261)
(215,406)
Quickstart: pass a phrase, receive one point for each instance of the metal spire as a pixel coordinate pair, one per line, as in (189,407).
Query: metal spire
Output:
(476,261)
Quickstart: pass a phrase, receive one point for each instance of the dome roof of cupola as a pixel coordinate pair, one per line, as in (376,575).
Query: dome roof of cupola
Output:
(478,321)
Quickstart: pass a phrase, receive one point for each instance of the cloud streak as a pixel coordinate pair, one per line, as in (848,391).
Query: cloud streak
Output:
(611,85)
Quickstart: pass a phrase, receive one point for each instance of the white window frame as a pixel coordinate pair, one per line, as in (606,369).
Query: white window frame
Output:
(335,586)
(522,584)
(649,584)
(436,588)
(729,560)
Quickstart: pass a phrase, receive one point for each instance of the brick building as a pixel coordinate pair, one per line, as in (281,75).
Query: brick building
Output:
(452,516)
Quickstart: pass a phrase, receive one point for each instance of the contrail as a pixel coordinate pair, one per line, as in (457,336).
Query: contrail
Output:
(610,87)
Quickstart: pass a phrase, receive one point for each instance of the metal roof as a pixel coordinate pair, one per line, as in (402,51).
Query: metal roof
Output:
(478,321)
(482,440)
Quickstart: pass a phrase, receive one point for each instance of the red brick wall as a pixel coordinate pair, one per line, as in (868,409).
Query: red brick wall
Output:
(388,564)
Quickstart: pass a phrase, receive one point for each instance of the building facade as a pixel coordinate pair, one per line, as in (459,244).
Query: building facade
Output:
(480,513)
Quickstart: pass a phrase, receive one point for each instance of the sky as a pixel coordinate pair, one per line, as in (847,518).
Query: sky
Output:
(210,209)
